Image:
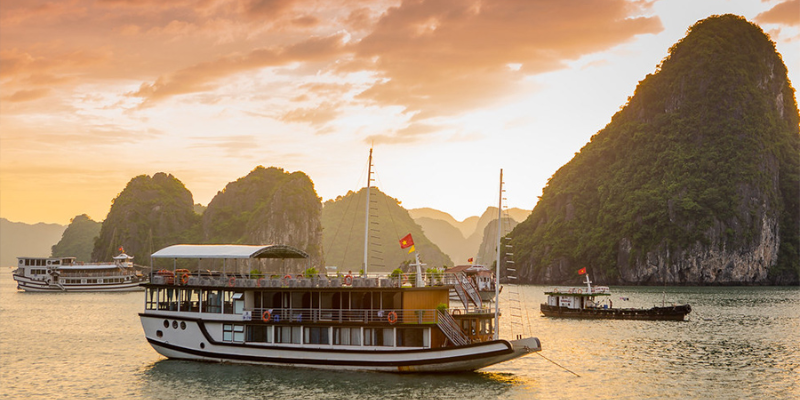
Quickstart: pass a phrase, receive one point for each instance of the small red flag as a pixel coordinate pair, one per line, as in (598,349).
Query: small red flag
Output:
(470,260)
(121,249)
(582,271)
(406,242)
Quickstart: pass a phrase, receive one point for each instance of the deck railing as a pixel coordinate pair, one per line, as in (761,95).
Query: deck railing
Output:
(365,316)
(215,279)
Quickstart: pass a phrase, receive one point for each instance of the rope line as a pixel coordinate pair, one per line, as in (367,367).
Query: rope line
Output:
(559,365)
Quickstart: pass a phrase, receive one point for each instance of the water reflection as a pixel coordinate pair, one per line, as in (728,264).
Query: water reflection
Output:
(176,378)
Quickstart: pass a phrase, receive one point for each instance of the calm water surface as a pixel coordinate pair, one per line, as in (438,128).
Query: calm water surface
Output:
(738,343)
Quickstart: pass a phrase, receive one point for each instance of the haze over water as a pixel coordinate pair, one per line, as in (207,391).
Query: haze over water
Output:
(740,342)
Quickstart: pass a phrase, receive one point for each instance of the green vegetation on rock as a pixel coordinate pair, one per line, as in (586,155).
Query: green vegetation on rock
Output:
(343,234)
(694,181)
(78,239)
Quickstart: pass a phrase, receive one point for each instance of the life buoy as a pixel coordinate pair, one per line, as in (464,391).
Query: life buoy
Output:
(260,282)
(392,317)
(286,279)
(266,316)
(579,291)
(348,280)
(231,281)
(184,279)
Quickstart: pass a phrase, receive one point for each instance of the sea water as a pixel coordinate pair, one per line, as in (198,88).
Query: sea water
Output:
(739,342)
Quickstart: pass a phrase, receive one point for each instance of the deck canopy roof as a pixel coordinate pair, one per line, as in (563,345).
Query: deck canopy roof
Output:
(227,251)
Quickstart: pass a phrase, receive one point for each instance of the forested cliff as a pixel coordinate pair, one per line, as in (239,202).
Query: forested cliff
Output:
(696,180)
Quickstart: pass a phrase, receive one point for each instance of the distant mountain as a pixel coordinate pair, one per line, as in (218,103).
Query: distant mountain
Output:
(694,181)
(461,240)
(343,234)
(78,239)
(19,239)
(467,226)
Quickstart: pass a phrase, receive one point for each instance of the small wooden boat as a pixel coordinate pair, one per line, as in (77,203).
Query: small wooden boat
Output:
(580,302)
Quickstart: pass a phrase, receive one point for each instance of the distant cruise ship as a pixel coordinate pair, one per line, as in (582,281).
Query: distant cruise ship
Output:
(64,274)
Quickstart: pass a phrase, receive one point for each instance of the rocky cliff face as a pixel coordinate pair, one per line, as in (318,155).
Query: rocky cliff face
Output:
(694,181)
(150,213)
(268,206)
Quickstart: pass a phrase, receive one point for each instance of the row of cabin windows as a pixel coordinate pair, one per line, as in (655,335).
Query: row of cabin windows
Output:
(405,337)
(81,281)
(218,300)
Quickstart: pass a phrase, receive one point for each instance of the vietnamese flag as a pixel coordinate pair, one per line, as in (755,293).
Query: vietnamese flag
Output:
(582,271)
(406,242)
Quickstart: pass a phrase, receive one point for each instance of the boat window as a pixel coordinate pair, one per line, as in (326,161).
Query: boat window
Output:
(316,335)
(259,333)
(410,337)
(212,301)
(232,333)
(227,304)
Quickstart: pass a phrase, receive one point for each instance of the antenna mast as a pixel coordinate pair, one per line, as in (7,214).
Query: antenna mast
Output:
(497,263)
(366,213)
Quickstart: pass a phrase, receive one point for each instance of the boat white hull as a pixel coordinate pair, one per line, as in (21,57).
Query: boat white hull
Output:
(195,343)
(30,285)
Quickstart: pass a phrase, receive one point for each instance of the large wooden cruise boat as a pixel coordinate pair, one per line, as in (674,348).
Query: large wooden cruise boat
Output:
(65,274)
(370,322)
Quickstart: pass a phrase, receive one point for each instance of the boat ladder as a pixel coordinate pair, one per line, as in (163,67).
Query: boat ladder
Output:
(469,288)
(518,327)
(450,328)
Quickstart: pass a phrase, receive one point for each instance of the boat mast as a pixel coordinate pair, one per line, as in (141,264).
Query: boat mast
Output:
(497,263)
(366,213)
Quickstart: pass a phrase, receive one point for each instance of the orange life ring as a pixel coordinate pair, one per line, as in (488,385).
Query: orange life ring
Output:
(266,316)
(579,291)
(348,279)
(392,317)
(286,279)
(184,279)
(231,281)
(260,282)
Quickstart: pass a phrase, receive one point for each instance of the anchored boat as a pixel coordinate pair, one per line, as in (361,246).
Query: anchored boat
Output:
(65,274)
(369,322)
(580,302)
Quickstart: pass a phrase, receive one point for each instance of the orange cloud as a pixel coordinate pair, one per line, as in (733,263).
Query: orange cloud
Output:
(441,57)
(786,13)
(27,95)
(203,77)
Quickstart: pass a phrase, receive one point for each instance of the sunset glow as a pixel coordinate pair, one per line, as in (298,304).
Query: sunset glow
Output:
(95,92)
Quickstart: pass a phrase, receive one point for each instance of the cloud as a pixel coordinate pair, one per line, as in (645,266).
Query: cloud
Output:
(28,95)
(233,145)
(442,57)
(206,76)
(786,13)
(315,116)
(412,133)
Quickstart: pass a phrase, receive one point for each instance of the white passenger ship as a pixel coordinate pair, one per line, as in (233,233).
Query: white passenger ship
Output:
(65,274)
(375,323)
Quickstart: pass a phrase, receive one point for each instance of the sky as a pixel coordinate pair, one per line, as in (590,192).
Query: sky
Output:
(446,92)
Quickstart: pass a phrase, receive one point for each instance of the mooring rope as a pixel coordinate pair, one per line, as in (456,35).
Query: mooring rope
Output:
(565,369)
